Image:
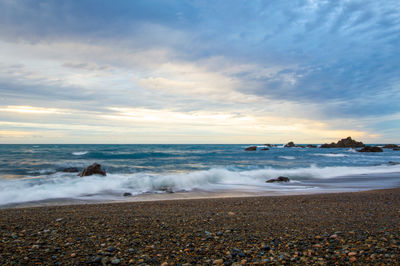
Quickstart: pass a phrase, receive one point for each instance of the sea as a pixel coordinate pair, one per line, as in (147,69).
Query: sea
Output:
(33,174)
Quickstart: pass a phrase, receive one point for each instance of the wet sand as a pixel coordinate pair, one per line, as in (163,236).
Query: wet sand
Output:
(359,227)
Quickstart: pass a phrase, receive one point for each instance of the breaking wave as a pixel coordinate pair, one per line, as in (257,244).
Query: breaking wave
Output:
(66,185)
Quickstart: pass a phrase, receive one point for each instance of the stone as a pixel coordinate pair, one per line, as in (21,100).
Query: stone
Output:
(70,170)
(311,146)
(251,148)
(115,261)
(290,145)
(393,163)
(344,143)
(396,149)
(265,149)
(391,146)
(94,169)
(127,194)
(218,262)
(279,179)
(371,149)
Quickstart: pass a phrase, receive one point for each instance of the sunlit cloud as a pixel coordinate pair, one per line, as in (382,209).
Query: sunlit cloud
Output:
(32,110)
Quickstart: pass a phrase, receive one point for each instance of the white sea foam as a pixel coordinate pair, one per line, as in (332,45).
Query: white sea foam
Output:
(66,185)
(331,154)
(287,157)
(78,153)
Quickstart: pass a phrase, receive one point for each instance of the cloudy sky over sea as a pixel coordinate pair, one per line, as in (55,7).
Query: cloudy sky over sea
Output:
(199,71)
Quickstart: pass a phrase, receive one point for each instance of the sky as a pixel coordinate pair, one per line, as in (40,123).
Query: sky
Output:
(147,71)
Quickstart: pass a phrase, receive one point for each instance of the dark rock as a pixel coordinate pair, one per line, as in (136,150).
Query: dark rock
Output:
(396,149)
(371,149)
(391,146)
(265,149)
(94,169)
(393,163)
(166,189)
(311,146)
(127,194)
(70,170)
(268,145)
(344,143)
(279,179)
(290,145)
(251,148)
(111,249)
(300,146)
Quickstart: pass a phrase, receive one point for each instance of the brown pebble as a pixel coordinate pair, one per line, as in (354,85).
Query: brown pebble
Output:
(218,262)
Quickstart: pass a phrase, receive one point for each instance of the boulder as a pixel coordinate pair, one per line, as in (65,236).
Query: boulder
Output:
(265,149)
(127,194)
(279,179)
(344,143)
(311,146)
(290,145)
(268,145)
(70,170)
(393,163)
(251,148)
(396,149)
(94,169)
(371,149)
(391,146)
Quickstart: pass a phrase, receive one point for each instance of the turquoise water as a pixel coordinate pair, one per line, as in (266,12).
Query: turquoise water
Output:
(34,172)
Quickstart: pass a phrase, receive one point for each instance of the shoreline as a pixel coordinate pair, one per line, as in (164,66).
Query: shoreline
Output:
(177,196)
(350,227)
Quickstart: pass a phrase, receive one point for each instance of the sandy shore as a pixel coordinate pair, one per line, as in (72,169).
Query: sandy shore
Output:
(360,227)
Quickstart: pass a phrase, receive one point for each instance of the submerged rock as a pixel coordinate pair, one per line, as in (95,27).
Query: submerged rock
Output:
(279,179)
(371,149)
(127,194)
(393,163)
(94,169)
(396,149)
(311,146)
(391,146)
(251,148)
(70,170)
(290,145)
(344,143)
(166,189)
(265,149)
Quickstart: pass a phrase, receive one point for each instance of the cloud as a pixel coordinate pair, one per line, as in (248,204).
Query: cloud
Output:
(334,62)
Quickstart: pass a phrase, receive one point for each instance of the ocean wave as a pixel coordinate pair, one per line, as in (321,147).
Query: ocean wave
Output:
(78,153)
(66,185)
(331,154)
(287,157)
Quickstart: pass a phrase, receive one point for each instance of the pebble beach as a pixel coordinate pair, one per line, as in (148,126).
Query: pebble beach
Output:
(341,228)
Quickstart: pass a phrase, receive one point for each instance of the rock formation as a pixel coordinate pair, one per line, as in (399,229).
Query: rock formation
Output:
(94,169)
(371,149)
(344,143)
(279,179)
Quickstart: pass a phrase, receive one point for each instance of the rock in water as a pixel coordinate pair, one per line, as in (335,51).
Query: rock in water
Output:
(70,170)
(290,145)
(127,194)
(251,148)
(370,149)
(344,143)
(279,179)
(391,146)
(396,149)
(94,169)
(311,146)
(265,149)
